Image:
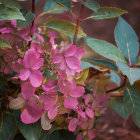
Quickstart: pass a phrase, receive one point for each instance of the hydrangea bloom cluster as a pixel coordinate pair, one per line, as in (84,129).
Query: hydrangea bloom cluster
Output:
(57,99)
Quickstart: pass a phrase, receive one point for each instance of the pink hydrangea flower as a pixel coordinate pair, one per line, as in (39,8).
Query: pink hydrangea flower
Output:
(88,111)
(71,93)
(31,64)
(69,59)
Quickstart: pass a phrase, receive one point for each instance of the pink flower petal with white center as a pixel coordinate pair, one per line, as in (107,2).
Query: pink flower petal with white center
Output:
(87,98)
(79,53)
(32,113)
(71,50)
(45,122)
(24,74)
(29,55)
(77,92)
(91,133)
(73,63)
(81,113)
(27,90)
(36,78)
(73,124)
(70,103)
(36,63)
(57,58)
(90,113)
(52,113)
(80,136)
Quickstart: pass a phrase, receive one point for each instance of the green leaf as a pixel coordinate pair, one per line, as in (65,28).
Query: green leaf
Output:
(127,40)
(51,6)
(118,105)
(115,77)
(10,3)
(133,74)
(65,3)
(105,49)
(29,17)
(7,126)
(30,131)
(85,65)
(8,13)
(93,5)
(65,27)
(103,63)
(138,61)
(4,43)
(107,13)
(132,102)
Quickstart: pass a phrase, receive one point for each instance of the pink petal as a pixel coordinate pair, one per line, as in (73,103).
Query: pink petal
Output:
(63,65)
(27,90)
(24,74)
(36,63)
(45,122)
(90,113)
(91,133)
(79,53)
(80,136)
(32,113)
(77,92)
(39,37)
(81,113)
(73,63)
(70,102)
(73,124)
(70,71)
(52,113)
(49,100)
(57,58)
(87,98)
(71,50)
(36,78)
(29,55)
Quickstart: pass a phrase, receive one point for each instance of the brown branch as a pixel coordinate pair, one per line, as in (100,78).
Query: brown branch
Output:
(121,86)
(78,23)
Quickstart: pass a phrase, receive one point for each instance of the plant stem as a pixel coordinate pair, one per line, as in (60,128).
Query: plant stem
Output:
(33,11)
(78,23)
(121,86)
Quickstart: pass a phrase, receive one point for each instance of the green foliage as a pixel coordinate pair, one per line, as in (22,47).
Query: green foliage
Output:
(29,17)
(133,74)
(4,43)
(7,126)
(132,102)
(51,6)
(103,63)
(10,13)
(30,131)
(85,65)
(93,5)
(118,105)
(10,3)
(107,13)
(127,40)
(65,3)
(105,49)
(65,27)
